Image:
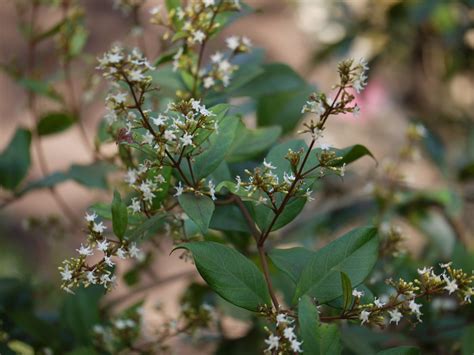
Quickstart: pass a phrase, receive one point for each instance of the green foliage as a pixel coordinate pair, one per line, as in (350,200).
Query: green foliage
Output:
(15,159)
(119,216)
(198,208)
(230,274)
(54,122)
(355,254)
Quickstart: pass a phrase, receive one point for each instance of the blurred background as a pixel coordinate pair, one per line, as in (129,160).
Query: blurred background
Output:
(421,71)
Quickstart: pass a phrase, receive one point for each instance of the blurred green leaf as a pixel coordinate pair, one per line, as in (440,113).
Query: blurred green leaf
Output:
(401,350)
(54,122)
(119,216)
(93,175)
(468,340)
(39,87)
(346,291)
(15,160)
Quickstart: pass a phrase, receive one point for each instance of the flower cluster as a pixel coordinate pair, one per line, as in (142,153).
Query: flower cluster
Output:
(192,25)
(77,271)
(403,302)
(284,339)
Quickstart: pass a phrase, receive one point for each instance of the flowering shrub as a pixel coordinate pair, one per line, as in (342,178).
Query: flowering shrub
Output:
(195,173)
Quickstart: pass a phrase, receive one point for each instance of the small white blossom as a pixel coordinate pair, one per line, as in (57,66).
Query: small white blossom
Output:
(198,36)
(131,176)
(209,82)
(356,293)
(91,278)
(232,42)
(378,303)
(415,308)
(239,182)
(217,57)
(108,261)
(445,266)
(155,10)
(121,253)
(268,165)
(90,217)
(364,316)
(85,250)
(179,190)
(273,342)
(296,346)
(169,135)
(425,270)
(135,206)
(282,318)
(66,274)
(212,190)
(159,121)
(103,245)
(187,139)
(451,285)
(209,3)
(136,76)
(134,251)
(395,316)
(99,227)
(289,333)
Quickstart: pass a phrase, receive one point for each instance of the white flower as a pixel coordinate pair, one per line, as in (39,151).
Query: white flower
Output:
(239,182)
(425,270)
(212,190)
(169,135)
(356,111)
(187,139)
(179,190)
(108,261)
(288,178)
(378,303)
(155,10)
(199,36)
(415,308)
(343,170)
(105,279)
(364,316)
(136,76)
(246,41)
(209,82)
(357,294)
(90,217)
(66,274)
(217,57)
(103,245)
(313,107)
(445,266)
(91,278)
(85,250)
(296,346)
(134,251)
(135,206)
(121,253)
(273,342)
(99,227)
(119,98)
(148,138)
(282,318)
(208,3)
(114,58)
(421,130)
(232,42)
(268,165)
(324,146)
(131,176)
(451,285)
(395,316)
(289,333)
(308,193)
(225,67)
(159,121)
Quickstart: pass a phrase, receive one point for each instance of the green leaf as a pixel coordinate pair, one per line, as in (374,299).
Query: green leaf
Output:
(291,261)
(468,340)
(230,274)
(15,159)
(46,182)
(283,108)
(80,312)
(346,291)
(119,216)
(78,41)
(198,208)
(150,226)
(54,122)
(93,175)
(318,339)
(401,350)
(351,154)
(355,253)
(276,77)
(250,142)
(217,148)
(40,88)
